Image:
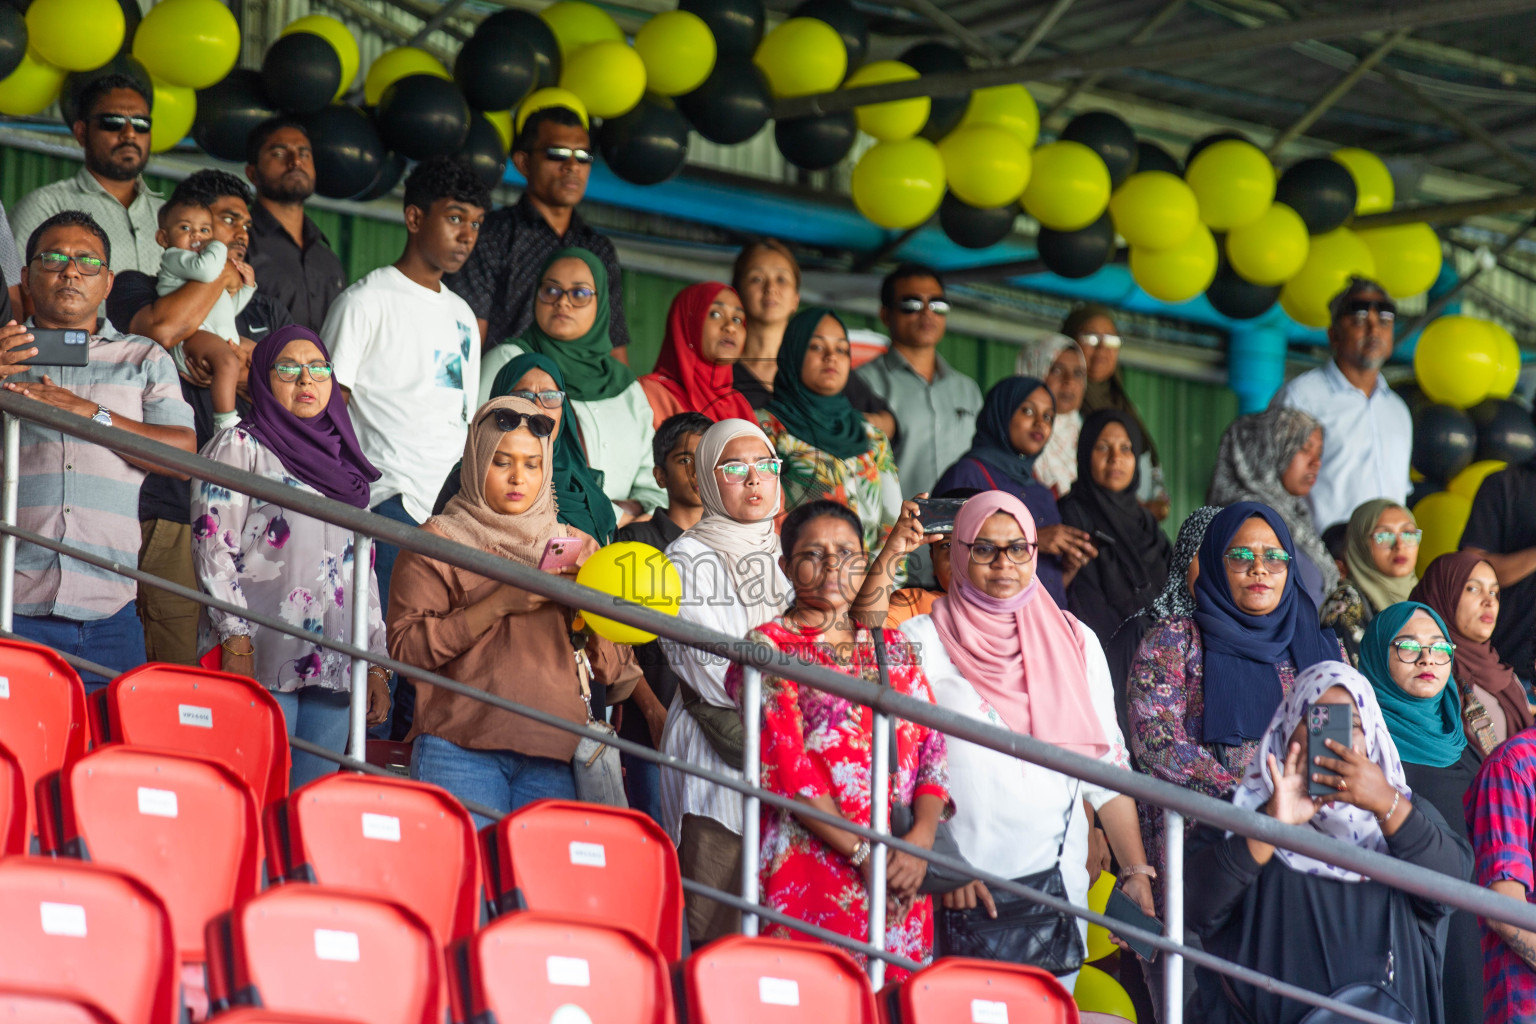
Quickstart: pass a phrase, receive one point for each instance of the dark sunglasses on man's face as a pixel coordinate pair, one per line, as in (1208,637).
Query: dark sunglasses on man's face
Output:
(560,154)
(115,123)
(938,307)
(539,425)
(1360,310)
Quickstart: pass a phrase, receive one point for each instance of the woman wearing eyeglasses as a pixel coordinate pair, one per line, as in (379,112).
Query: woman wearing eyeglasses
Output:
(464,626)
(1381,550)
(1059,362)
(613,417)
(705,329)
(260,556)
(1407,655)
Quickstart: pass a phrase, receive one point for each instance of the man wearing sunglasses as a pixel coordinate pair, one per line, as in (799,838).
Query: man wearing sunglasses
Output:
(1367,430)
(553,152)
(112,128)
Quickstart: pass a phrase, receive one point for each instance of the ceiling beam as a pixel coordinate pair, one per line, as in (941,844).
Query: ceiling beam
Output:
(1448,213)
(1339,90)
(1040,31)
(949,23)
(1082,85)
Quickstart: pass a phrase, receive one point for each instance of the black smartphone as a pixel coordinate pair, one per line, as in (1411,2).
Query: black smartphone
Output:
(1326,722)
(1102,539)
(937,515)
(57,347)
(1122,908)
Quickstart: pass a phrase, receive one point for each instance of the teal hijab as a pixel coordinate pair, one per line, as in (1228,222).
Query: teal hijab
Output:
(828,423)
(586,363)
(1427,730)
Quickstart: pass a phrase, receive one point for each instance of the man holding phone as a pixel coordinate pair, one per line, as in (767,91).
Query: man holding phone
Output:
(127,382)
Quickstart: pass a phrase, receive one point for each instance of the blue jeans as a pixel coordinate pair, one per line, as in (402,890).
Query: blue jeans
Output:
(116,641)
(642,784)
(402,694)
(320,716)
(503,779)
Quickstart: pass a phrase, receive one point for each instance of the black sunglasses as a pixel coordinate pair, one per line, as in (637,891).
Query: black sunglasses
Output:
(560,154)
(117,122)
(1361,309)
(539,425)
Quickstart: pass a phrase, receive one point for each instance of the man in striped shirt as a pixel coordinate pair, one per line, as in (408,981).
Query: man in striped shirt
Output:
(1501,816)
(71,491)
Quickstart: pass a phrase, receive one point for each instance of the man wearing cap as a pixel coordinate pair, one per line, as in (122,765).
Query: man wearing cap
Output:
(1367,430)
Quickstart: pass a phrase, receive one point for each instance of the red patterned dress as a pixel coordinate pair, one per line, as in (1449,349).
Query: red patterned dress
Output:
(814,743)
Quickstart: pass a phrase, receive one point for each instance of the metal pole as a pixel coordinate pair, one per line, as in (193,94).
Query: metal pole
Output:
(362,576)
(1445,213)
(1173,916)
(8,492)
(1083,85)
(949,23)
(751,806)
(1040,31)
(880,821)
(1438,306)
(1339,90)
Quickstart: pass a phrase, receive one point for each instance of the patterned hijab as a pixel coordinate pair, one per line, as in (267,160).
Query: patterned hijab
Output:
(828,423)
(591,372)
(1176,601)
(698,384)
(1375,586)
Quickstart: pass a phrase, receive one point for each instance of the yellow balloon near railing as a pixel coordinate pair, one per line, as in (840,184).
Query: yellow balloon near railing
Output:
(636,572)
(1099,944)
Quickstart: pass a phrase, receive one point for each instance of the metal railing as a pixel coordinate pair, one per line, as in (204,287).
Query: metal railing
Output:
(1178,803)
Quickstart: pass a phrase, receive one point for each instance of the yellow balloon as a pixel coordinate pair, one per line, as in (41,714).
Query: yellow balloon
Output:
(1097,992)
(76,35)
(193,43)
(1099,944)
(173,112)
(1234,181)
(1455,361)
(1442,516)
(501,120)
(1506,373)
(1373,182)
(679,52)
(636,572)
(608,78)
(1407,257)
(1068,186)
(1470,479)
(577,24)
(802,56)
(1331,259)
(341,39)
(985,165)
(392,65)
(899,184)
(1272,249)
(1008,106)
(552,97)
(1178,273)
(894,121)
(31,88)
(1154,210)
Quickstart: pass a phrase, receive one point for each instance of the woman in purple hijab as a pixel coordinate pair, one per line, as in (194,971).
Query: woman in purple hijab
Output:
(276,562)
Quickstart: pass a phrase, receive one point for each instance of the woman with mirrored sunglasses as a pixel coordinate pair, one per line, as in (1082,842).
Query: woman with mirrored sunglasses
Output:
(1381,552)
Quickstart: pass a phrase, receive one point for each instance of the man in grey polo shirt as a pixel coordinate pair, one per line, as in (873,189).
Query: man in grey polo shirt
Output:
(113,129)
(935,404)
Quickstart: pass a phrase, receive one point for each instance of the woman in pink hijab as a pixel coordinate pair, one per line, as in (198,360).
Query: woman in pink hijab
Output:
(998,648)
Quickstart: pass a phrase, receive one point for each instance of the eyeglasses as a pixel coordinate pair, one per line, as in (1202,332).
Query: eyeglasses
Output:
(1276,560)
(1410,651)
(548,399)
(1058,372)
(985,552)
(1095,340)
(55,262)
(1386,538)
(539,425)
(1360,310)
(117,122)
(938,307)
(560,154)
(736,472)
(319,370)
(580,296)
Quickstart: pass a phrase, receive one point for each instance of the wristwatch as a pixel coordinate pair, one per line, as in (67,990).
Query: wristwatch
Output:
(103,416)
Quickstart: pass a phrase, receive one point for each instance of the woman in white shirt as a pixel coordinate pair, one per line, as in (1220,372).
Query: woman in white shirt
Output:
(612,412)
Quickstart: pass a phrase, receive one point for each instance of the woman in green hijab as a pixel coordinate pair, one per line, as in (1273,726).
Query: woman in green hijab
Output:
(829,450)
(614,423)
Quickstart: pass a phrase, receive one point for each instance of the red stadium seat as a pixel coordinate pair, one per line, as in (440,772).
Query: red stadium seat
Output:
(256,1015)
(87,933)
(13,804)
(42,713)
(741,980)
(186,826)
(211,714)
(308,949)
(18,1006)
(527,965)
(955,989)
(589,862)
(406,841)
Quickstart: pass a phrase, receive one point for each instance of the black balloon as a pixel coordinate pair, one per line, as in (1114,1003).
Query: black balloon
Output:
(131,18)
(1413,396)
(13,39)
(1108,136)
(495,69)
(347,149)
(1152,157)
(972,226)
(76,81)
(423,115)
(301,73)
(227,111)
(646,146)
(390,172)
(731,106)
(846,19)
(1077,253)
(816,143)
(1504,431)
(534,34)
(1321,190)
(1210,140)
(944,112)
(1444,441)
(1231,296)
(482,150)
(736,24)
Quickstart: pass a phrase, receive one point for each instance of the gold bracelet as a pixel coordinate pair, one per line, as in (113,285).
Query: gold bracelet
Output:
(224,644)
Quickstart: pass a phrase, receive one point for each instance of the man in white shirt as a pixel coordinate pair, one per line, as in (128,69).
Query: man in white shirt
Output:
(1367,429)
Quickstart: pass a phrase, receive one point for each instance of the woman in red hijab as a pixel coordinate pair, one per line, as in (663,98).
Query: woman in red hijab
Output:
(705,330)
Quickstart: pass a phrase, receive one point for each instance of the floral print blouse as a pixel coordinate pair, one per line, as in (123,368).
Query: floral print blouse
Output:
(261,556)
(866,483)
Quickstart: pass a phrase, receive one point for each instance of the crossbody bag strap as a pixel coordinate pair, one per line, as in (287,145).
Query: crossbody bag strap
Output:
(983,467)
